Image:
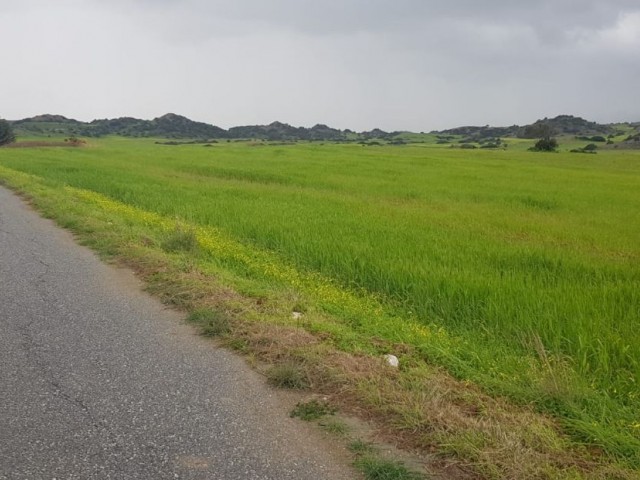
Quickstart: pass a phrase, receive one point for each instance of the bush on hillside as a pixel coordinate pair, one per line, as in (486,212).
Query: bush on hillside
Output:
(545,144)
(595,138)
(591,148)
(6,133)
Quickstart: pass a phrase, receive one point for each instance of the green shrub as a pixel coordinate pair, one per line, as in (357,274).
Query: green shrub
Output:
(6,133)
(180,240)
(377,469)
(288,375)
(545,144)
(213,322)
(312,410)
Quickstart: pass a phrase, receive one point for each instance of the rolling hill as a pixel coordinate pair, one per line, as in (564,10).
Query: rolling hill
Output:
(179,127)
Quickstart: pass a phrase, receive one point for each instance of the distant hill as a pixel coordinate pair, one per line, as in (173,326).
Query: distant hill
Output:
(47,118)
(273,131)
(171,126)
(166,126)
(560,125)
(47,125)
(476,133)
(285,132)
(125,126)
(565,125)
(174,126)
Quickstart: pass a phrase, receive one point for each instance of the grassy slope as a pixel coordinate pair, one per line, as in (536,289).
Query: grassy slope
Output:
(515,270)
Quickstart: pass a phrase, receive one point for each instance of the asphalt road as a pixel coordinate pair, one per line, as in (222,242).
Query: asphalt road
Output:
(99,381)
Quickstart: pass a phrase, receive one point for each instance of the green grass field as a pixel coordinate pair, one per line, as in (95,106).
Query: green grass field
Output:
(518,271)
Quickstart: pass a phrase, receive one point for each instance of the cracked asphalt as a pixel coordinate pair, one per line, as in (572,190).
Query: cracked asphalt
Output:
(99,381)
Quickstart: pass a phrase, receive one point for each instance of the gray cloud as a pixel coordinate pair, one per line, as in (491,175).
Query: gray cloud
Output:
(550,18)
(403,64)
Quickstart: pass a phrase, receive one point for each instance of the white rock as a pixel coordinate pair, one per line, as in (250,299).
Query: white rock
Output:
(296,315)
(392,360)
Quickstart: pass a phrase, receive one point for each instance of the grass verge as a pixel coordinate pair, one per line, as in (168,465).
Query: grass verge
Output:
(419,406)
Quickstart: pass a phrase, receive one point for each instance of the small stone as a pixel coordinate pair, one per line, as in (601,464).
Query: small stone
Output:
(296,315)
(392,361)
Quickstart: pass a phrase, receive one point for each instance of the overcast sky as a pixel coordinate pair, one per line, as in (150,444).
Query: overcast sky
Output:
(395,64)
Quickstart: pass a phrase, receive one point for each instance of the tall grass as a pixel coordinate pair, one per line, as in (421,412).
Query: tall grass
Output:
(513,252)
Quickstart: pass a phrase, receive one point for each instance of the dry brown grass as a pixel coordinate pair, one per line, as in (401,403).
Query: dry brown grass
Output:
(455,429)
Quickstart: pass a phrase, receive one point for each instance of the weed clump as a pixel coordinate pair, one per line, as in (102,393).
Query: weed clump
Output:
(213,323)
(312,410)
(336,427)
(289,376)
(374,467)
(180,240)
(378,469)
(360,447)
